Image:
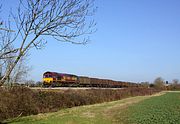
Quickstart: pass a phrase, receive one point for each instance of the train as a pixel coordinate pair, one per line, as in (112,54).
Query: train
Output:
(55,79)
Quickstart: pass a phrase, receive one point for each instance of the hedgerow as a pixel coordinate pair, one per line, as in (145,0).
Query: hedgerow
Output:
(22,101)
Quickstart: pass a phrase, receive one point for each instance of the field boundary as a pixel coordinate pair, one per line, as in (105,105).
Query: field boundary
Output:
(105,111)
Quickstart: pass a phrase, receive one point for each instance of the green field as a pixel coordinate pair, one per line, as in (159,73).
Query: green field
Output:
(156,109)
(164,109)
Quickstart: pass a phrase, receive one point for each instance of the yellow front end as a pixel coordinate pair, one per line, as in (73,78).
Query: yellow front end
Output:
(47,81)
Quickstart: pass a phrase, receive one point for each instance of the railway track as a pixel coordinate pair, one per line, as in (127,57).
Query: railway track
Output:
(71,88)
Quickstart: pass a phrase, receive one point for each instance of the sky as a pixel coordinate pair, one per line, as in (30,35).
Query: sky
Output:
(136,40)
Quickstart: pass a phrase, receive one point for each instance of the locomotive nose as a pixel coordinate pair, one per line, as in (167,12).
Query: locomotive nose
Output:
(47,80)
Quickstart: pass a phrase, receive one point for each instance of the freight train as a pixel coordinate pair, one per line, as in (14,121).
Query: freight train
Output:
(53,79)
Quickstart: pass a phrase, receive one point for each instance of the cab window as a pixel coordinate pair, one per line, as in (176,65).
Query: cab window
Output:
(47,75)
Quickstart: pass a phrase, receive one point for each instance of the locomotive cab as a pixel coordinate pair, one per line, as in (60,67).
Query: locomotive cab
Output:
(47,78)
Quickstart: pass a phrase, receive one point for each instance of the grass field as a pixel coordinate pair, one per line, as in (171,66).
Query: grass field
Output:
(163,109)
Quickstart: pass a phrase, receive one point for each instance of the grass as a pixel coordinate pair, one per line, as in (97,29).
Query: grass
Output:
(164,109)
(161,109)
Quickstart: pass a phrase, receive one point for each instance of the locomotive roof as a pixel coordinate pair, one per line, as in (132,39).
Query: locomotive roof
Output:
(62,74)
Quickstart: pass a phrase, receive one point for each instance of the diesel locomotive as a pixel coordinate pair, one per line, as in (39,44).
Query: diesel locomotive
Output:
(59,79)
(53,79)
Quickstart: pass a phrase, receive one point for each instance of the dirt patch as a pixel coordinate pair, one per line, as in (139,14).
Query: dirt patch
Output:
(88,115)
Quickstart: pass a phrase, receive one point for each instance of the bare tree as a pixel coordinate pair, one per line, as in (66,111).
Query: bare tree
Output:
(63,20)
(7,51)
(20,72)
(175,84)
(175,81)
(159,83)
(30,83)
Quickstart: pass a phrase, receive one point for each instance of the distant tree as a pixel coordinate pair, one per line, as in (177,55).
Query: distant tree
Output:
(175,84)
(145,84)
(63,20)
(159,83)
(29,83)
(175,81)
(39,84)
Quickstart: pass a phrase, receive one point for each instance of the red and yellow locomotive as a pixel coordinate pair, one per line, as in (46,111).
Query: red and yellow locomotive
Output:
(59,79)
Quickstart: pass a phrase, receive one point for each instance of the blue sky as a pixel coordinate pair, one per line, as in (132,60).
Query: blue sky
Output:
(136,40)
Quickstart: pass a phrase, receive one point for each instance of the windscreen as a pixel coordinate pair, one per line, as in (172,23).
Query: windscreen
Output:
(47,75)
